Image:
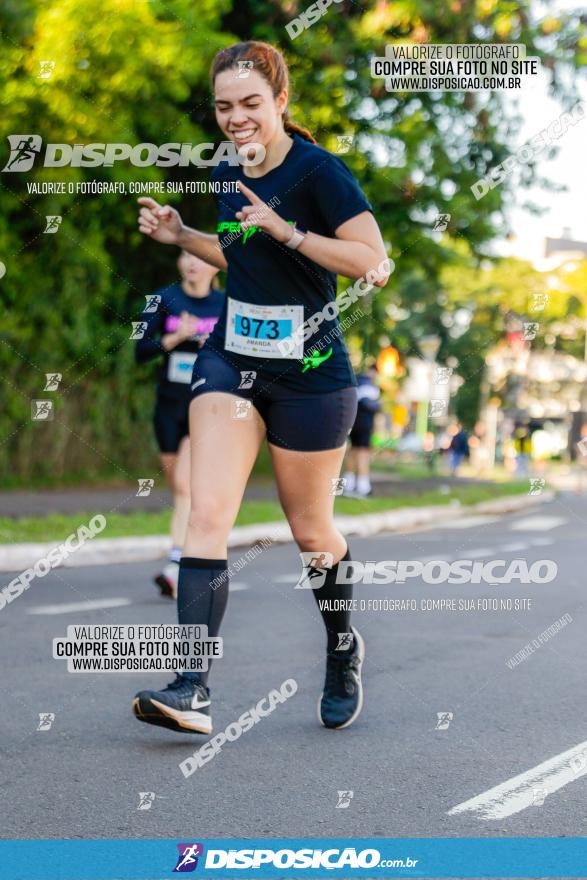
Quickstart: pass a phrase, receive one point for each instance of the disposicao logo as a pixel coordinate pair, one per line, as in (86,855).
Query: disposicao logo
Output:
(24,149)
(187,860)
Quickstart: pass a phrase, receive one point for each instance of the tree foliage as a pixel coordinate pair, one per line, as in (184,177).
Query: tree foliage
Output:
(132,72)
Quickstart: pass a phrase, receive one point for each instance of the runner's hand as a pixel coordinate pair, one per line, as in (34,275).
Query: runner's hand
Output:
(187,326)
(160,222)
(259,214)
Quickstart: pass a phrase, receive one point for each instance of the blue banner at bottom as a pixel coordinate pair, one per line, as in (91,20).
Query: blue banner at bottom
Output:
(367,858)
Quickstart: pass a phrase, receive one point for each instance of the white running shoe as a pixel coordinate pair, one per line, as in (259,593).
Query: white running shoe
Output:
(167,580)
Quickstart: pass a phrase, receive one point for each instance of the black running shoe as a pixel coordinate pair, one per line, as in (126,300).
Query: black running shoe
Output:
(184,705)
(342,698)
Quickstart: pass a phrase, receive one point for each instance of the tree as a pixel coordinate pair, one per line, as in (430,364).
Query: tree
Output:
(128,72)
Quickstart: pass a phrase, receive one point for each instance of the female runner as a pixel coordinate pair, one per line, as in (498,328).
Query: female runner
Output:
(255,378)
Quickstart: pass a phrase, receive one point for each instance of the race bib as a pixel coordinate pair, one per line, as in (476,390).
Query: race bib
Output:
(258,330)
(180,366)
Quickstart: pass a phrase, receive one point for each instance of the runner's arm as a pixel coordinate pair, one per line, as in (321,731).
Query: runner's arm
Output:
(154,342)
(203,245)
(357,249)
(164,224)
(149,346)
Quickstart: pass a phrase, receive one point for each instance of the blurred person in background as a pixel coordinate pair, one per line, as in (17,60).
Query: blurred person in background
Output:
(478,449)
(357,480)
(458,449)
(429,450)
(178,325)
(523,449)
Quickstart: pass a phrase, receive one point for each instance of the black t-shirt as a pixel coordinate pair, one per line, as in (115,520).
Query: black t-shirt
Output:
(317,192)
(162,316)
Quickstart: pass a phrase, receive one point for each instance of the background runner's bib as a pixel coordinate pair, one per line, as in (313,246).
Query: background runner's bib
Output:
(180,366)
(256,330)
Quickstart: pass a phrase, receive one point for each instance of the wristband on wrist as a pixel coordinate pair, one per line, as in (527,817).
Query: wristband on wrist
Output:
(296,239)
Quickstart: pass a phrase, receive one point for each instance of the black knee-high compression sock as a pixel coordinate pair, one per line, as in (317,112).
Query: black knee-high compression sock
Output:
(202,594)
(336,620)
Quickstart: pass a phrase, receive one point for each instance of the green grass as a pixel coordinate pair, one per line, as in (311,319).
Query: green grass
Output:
(59,526)
(411,470)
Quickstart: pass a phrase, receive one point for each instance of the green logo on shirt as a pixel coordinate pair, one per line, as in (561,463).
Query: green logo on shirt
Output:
(314,360)
(248,232)
(234,228)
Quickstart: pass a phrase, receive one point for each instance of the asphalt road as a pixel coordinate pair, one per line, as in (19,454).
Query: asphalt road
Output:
(82,777)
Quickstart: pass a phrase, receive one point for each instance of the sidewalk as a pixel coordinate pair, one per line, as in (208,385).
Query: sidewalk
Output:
(139,549)
(22,502)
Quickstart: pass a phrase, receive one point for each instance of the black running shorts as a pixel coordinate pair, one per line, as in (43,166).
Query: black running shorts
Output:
(362,430)
(295,420)
(361,437)
(171,422)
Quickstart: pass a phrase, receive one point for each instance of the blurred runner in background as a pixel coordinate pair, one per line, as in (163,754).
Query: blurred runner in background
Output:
(459,449)
(357,477)
(523,448)
(179,319)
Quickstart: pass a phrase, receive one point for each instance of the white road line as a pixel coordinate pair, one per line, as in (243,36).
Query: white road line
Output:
(437,558)
(469,523)
(97,604)
(528,788)
(479,553)
(538,523)
(462,523)
(514,547)
(68,608)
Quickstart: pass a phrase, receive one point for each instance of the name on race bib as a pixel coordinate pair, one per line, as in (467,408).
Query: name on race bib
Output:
(257,330)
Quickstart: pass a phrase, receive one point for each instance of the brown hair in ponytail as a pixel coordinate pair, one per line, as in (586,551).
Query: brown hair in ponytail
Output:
(267,61)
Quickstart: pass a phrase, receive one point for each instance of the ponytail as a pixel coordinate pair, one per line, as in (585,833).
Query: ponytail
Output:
(294,128)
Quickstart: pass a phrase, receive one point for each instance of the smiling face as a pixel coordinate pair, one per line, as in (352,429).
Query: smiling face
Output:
(246,110)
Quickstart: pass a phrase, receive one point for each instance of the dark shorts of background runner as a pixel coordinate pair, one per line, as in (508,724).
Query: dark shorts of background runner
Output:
(171,422)
(361,437)
(295,420)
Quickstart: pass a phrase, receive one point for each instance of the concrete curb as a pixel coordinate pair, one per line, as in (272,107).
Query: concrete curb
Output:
(107,551)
